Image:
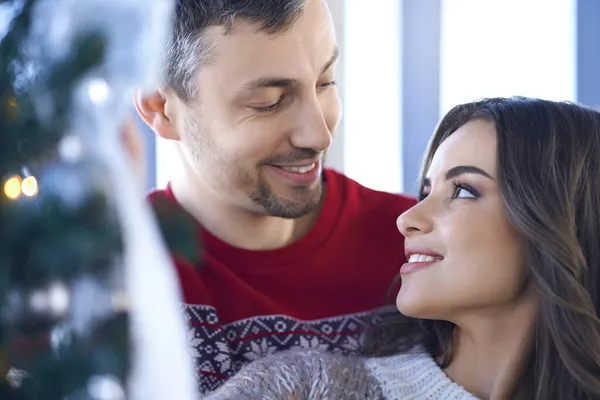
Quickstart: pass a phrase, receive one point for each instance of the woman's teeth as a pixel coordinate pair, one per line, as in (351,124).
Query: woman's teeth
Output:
(421,258)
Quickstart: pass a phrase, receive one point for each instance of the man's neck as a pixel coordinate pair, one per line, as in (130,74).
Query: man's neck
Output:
(489,351)
(237,226)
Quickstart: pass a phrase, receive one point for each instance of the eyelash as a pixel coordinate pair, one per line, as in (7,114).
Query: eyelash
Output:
(274,106)
(456,187)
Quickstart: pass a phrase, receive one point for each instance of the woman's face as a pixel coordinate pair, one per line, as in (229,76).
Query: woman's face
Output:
(464,255)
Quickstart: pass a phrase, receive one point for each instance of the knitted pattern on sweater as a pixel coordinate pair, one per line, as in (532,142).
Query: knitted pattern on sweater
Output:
(414,376)
(315,375)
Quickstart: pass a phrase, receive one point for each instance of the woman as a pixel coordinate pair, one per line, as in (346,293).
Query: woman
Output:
(500,297)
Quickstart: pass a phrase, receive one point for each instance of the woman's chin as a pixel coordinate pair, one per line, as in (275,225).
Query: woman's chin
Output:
(417,304)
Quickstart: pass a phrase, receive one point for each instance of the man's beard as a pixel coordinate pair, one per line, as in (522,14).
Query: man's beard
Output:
(306,199)
(309,199)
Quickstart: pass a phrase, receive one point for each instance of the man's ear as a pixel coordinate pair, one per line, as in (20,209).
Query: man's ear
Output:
(152,108)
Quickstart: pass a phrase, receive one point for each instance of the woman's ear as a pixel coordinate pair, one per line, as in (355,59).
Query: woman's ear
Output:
(152,108)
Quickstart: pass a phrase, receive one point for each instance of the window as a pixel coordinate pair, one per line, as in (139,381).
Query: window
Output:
(506,48)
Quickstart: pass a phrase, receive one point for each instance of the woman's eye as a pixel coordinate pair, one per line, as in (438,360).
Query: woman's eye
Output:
(464,193)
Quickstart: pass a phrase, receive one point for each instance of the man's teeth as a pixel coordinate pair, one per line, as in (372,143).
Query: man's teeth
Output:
(421,258)
(301,169)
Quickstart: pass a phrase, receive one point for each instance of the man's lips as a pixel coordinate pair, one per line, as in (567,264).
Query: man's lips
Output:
(296,175)
(299,163)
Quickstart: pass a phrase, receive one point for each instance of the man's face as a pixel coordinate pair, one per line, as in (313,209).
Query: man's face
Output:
(265,113)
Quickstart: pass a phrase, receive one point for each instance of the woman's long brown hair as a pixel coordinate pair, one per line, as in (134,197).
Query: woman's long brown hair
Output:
(549,176)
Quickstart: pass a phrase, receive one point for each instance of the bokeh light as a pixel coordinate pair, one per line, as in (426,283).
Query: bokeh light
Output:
(12,187)
(29,186)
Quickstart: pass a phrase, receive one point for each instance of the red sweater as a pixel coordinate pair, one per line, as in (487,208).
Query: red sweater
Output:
(317,292)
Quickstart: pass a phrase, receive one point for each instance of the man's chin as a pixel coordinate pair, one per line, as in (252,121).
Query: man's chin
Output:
(288,202)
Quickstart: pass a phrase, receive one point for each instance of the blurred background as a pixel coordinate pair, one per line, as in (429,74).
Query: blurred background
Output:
(404,63)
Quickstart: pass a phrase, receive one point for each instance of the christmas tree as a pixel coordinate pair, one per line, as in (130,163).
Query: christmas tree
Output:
(65,316)
(55,245)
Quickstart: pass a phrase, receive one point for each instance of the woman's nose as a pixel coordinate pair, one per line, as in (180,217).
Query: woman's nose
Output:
(414,220)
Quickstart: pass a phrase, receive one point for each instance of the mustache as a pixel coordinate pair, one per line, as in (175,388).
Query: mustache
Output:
(294,156)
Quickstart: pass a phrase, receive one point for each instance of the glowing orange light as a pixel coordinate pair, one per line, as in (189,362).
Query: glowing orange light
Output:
(12,187)
(11,108)
(29,186)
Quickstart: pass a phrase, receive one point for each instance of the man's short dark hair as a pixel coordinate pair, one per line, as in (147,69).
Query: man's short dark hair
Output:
(189,48)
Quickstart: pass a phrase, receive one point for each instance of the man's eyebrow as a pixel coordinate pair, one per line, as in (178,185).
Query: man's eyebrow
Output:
(269,81)
(280,82)
(334,57)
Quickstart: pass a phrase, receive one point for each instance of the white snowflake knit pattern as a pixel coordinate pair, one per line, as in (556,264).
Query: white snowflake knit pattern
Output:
(221,350)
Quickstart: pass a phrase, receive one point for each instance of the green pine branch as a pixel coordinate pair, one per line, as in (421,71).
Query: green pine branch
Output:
(49,237)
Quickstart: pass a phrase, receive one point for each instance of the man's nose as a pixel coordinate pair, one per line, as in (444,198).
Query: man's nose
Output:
(313,132)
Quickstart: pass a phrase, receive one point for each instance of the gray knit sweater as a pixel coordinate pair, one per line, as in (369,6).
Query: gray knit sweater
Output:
(314,375)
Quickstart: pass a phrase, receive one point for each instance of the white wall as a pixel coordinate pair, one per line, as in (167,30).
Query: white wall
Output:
(372,93)
(167,162)
(335,155)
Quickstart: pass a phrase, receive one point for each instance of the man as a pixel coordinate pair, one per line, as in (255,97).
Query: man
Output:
(295,255)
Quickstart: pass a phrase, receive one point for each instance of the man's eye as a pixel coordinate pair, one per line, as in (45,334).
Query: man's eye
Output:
(326,84)
(271,107)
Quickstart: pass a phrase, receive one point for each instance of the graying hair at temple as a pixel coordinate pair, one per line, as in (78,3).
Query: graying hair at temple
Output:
(189,50)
